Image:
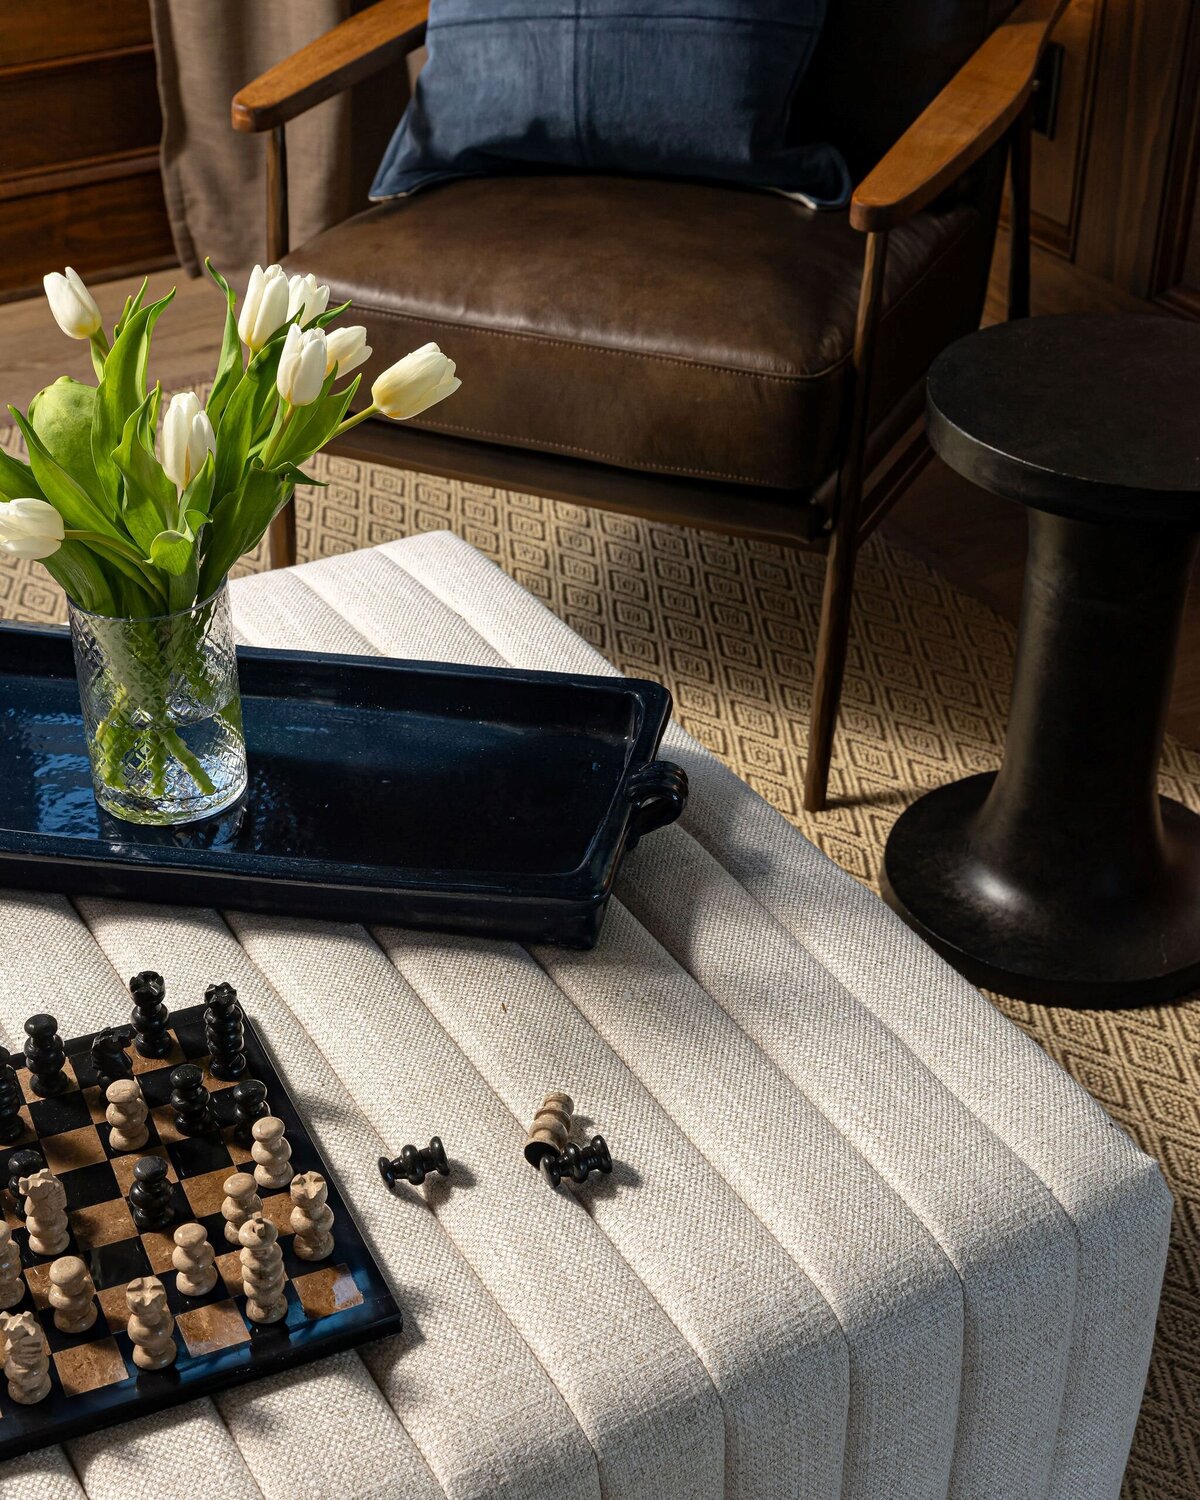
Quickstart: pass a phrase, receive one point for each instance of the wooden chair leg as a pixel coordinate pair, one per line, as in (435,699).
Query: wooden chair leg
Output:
(834,635)
(281,538)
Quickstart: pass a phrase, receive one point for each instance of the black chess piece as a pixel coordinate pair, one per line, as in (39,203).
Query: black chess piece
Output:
(151,1199)
(249,1104)
(577,1162)
(22,1164)
(46,1056)
(415,1164)
(191,1102)
(110,1060)
(224,1032)
(149,1015)
(12,1127)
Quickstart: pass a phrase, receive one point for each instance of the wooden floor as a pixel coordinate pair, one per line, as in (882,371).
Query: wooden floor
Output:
(974,539)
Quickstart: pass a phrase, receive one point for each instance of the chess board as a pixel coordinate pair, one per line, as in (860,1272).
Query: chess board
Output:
(332,1304)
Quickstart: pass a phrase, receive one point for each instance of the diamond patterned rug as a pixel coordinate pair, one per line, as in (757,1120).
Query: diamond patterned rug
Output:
(730,627)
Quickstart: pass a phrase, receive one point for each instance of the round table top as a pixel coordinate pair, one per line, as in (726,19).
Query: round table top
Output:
(1092,416)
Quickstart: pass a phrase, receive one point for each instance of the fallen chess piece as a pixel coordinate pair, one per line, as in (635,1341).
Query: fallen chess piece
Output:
(149,1015)
(45,1212)
(12,1126)
(224,1032)
(271,1152)
(27,1358)
(191,1102)
(46,1057)
(126,1113)
(312,1217)
(72,1295)
(263,1276)
(551,1128)
(241,1202)
(194,1260)
(577,1162)
(109,1058)
(151,1199)
(151,1325)
(415,1163)
(12,1283)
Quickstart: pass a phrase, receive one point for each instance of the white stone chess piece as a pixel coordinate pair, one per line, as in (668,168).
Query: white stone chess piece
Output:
(151,1324)
(45,1212)
(194,1261)
(263,1275)
(241,1200)
(12,1283)
(26,1358)
(312,1217)
(271,1153)
(72,1295)
(126,1113)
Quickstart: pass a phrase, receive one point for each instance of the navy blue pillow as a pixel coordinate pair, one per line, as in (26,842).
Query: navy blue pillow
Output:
(669,88)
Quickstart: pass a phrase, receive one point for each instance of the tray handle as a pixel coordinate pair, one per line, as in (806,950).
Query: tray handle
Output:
(659,793)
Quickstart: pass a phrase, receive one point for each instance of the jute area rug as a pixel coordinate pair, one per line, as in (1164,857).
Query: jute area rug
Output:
(730,627)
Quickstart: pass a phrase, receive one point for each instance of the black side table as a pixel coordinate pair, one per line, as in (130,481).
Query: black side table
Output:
(1065,877)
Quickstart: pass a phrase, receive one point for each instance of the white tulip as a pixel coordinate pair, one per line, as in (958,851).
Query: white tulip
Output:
(264,307)
(187,439)
(74,308)
(302,365)
(415,383)
(31,529)
(347,348)
(306,297)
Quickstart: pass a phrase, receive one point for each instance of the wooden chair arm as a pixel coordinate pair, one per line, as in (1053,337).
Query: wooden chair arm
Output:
(355,49)
(970,114)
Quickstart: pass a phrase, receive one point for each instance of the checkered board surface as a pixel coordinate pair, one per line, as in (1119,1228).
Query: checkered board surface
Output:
(332,1304)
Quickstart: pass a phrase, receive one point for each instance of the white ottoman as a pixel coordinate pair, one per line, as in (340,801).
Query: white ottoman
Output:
(863,1239)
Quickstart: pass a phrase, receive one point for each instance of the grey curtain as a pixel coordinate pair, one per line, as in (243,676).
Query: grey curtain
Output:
(214,177)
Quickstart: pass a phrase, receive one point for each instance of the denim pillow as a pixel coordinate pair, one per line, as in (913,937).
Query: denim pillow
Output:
(668,88)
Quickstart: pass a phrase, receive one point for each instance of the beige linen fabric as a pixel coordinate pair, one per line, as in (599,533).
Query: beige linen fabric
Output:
(863,1238)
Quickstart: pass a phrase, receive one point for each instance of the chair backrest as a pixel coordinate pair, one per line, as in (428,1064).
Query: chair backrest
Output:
(880,62)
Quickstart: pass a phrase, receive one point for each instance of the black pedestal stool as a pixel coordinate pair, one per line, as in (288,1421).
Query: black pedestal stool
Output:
(1065,877)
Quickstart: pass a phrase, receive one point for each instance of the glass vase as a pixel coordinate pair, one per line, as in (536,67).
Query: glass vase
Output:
(162,712)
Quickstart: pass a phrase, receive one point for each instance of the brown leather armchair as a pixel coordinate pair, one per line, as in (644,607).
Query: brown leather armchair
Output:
(694,352)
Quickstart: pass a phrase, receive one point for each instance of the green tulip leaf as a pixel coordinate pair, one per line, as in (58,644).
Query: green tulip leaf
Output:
(172,551)
(229,362)
(240,520)
(149,501)
(314,425)
(62,417)
(132,305)
(81,575)
(73,503)
(16,479)
(122,392)
(197,498)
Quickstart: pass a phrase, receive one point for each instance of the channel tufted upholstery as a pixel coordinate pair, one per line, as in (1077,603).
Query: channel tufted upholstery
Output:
(864,1240)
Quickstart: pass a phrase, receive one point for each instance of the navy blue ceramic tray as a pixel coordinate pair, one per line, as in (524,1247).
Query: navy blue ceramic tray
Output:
(468,799)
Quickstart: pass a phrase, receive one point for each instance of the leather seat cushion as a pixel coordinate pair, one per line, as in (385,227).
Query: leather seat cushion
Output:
(676,328)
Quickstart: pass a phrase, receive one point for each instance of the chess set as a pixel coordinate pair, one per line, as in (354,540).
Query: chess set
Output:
(170,1229)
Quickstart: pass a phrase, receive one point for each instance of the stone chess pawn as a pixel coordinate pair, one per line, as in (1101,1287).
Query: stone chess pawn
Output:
(22,1164)
(46,1057)
(27,1358)
(45,1212)
(191,1103)
(224,1032)
(241,1203)
(149,1015)
(126,1114)
(263,1276)
(12,1283)
(577,1162)
(194,1260)
(151,1325)
(415,1163)
(151,1198)
(249,1104)
(271,1152)
(12,1126)
(551,1128)
(72,1295)
(110,1060)
(312,1217)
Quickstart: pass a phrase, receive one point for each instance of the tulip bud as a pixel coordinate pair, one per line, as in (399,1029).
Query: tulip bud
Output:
(302,366)
(264,307)
(347,348)
(187,439)
(415,383)
(31,529)
(74,308)
(307,298)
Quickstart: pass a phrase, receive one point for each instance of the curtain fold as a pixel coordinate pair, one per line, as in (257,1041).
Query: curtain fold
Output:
(215,177)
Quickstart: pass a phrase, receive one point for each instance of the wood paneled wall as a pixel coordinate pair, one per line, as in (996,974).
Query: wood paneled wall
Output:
(79,132)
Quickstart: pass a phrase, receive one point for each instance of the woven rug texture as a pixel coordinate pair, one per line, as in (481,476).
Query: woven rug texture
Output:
(730,627)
